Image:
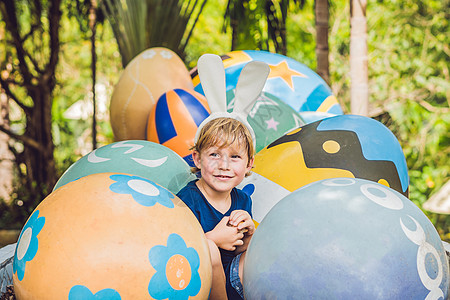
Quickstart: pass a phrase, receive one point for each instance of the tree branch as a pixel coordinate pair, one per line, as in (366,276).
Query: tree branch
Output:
(4,84)
(12,25)
(26,140)
(434,109)
(54,12)
(34,62)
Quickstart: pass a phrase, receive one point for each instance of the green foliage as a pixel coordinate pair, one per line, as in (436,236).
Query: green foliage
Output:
(248,20)
(208,36)
(139,25)
(259,24)
(301,35)
(409,79)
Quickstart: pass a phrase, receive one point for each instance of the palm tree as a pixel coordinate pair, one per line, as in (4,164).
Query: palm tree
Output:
(141,24)
(6,157)
(359,92)
(258,25)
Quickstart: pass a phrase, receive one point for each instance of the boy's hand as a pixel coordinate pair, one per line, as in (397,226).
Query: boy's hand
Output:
(226,237)
(242,221)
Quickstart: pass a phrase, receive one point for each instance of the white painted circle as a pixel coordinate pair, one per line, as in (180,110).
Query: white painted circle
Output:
(389,200)
(149,54)
(143,187)
(430,283)
(24,243)
(339,182)
(182,283)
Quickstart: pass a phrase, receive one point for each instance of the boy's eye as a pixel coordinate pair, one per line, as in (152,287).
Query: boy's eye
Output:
(235,156)
(214,154)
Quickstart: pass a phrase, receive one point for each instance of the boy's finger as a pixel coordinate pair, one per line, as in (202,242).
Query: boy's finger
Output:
(243,224)
(234,221)
(234,215)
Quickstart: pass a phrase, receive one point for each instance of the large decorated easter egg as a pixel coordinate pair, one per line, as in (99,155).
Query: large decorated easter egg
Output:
(149,75)
(288,80)
(264,193)
(143,158)
(174,120)
(340,146)
(345,238)
(112,236)
(269,117)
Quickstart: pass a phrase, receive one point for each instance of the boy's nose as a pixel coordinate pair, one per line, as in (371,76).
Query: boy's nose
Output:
(224,163)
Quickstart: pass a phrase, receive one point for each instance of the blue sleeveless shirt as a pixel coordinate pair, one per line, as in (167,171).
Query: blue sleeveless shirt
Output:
(208,216)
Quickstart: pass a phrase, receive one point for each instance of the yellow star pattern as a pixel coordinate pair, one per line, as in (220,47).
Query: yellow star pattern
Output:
(235,58)
(283,71)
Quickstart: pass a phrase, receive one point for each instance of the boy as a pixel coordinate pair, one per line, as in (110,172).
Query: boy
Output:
(223,154)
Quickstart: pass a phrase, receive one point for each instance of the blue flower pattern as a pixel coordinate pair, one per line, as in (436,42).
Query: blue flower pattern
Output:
(28,244)
(160,287)
(249,189)
(80,292)
(143,191)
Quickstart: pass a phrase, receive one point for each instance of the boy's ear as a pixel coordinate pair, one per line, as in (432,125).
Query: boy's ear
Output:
(250,164)
(196,158)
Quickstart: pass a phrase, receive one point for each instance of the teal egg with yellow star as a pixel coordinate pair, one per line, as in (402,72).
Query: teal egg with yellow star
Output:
(144,158)
(112,236)
(269,117)
(289,80)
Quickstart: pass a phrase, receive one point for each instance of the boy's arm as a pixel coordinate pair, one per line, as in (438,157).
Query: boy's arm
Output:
(242,220)
(246,240)
(224,236)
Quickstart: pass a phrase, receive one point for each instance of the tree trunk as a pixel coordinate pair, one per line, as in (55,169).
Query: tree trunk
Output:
(284,9)
(234,33)
(359,92)
(322,16)
(41,169)
(93,27)
(6,157)
(39,174)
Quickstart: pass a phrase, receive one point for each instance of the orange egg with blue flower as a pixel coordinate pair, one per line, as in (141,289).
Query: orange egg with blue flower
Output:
(112,236)
(175,118)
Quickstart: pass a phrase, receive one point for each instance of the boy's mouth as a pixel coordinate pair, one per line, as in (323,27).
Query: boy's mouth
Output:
(222,176)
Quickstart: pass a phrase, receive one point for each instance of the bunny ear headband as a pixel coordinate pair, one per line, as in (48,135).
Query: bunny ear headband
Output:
(212,77)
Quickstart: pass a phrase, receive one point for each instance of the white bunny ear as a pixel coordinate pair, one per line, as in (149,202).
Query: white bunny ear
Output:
(250,84)
(212,77)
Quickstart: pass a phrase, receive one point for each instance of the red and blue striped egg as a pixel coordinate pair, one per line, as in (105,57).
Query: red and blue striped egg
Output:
(175,118)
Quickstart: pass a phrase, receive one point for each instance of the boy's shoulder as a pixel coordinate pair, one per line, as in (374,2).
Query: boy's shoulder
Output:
(190,185)
(242,195)
(187,189)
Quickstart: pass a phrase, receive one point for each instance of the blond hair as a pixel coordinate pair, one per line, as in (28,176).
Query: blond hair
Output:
(223,132)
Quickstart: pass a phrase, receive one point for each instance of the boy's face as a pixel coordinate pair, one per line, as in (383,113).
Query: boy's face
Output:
(222,169)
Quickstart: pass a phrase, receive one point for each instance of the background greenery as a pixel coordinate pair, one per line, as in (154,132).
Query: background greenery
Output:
(408,72)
